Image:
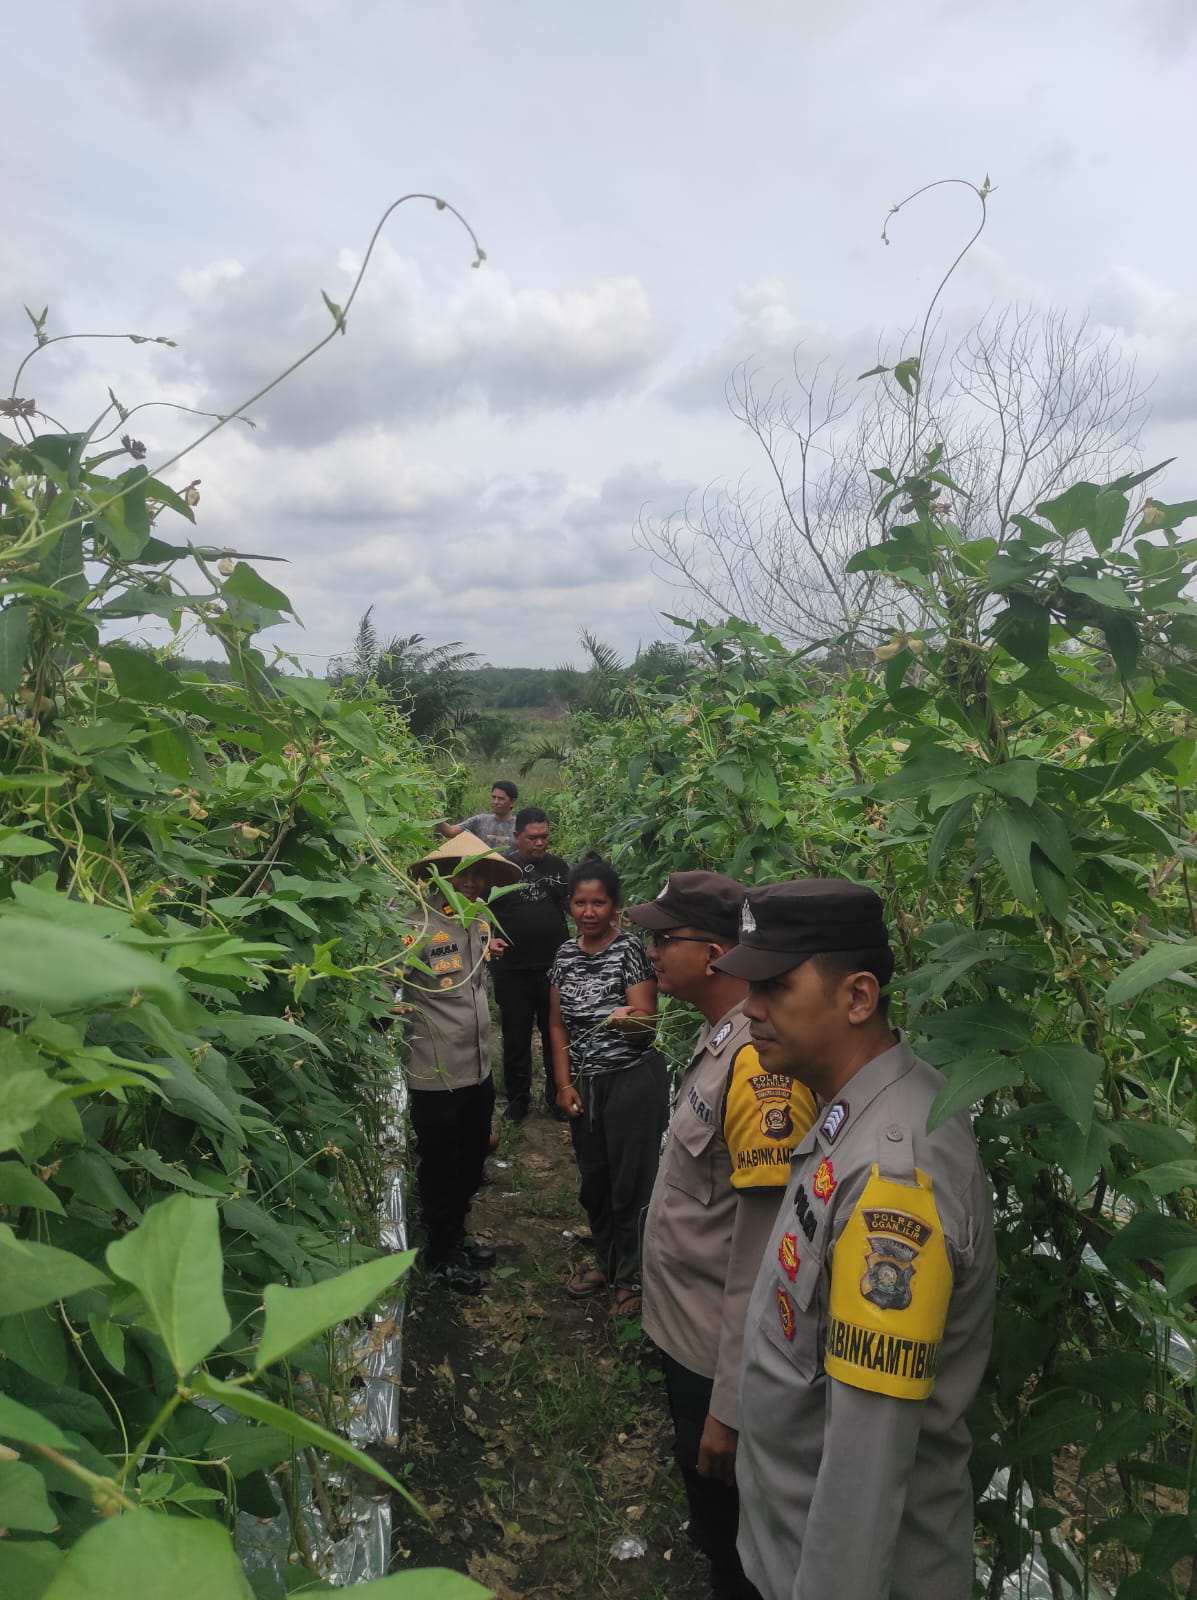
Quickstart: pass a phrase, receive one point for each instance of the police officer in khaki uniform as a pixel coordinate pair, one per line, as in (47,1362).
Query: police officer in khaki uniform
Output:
(725,1165)
(869,1326)
(447,1066)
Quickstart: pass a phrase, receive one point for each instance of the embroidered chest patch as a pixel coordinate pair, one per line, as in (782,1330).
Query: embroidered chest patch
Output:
(787,1254)
(824,1181)
(806,1215)
(698,1105)
(785,1313)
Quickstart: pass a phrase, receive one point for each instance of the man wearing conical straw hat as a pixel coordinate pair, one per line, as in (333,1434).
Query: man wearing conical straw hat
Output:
(448,1053)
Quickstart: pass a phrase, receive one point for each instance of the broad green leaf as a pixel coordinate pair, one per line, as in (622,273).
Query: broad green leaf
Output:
(23,1098)
(51,967)
(14,646)
(245,584)
(295,1316)
(29,1427)
(946,829)
(1071,511)
(1019,779)
(993,1025)
(971,1080)
(139,676)
(1110,510)
(174,1258)
(932,764)
(248,1446)
(144,1553)
(1169,1176)
(1124,1436)
(263,1410)
(178,1178)
(1010,833)
(313,694)
(730,775)
(1105,591)
(1160,962)
(35,1342)
(1068,1075)
(19,1186)
(110,1337)
(23,1502)
(13,842)
(1084,1154)
(27,1566)
(36,1274)
(1180,1273)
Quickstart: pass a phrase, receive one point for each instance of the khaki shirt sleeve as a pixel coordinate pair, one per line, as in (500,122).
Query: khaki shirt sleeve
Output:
(869,1445)
(756,1212)
(764,1118)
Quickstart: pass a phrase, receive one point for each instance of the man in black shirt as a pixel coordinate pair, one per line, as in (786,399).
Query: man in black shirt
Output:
(532,920)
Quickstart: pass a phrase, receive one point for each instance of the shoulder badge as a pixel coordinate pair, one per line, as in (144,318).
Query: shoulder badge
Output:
(833,1123)
(747,920)
(785,1313)
(891,1285)
(787,1254)
(824,1183)
(777,1121)
(719,1038)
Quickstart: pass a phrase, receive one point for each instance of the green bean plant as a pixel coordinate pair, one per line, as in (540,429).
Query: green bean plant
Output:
(1015,778)
(202,918)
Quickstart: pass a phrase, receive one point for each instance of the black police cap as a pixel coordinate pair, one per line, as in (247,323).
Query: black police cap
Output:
(784,924)
(707,901)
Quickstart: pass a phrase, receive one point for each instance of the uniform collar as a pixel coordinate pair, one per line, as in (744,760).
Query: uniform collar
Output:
(716,1040)
(855,1097)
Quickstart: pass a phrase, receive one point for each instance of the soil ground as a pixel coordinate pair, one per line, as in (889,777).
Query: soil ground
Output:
(534,1427)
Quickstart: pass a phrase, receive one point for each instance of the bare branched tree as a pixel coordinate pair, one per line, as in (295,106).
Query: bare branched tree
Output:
(1023,403)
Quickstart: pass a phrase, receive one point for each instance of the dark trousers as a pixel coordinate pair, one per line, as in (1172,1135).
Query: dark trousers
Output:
(617,1145)
(452,1128)
(714,1506)
(523,1002)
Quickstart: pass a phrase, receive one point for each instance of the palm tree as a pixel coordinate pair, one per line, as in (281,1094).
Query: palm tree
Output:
(428,683)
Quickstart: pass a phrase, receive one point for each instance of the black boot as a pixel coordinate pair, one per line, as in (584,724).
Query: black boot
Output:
(478,1254)
(458,1273)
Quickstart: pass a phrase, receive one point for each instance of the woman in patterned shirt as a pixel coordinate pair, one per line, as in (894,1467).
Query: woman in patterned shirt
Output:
(610,1082)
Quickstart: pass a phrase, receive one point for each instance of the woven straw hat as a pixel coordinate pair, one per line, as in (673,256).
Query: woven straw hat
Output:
(452,854)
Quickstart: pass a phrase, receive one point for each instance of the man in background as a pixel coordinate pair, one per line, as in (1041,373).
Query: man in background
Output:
(495,827)
(447,1055)
(533,927)
(721,1179)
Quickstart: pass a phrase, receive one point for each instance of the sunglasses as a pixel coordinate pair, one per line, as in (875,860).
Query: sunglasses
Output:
(661,940)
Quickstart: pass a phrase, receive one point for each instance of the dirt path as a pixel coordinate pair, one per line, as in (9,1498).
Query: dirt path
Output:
(535,1429)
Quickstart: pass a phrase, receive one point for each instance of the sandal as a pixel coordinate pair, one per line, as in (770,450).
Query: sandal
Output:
(583,1284)
(627,1303)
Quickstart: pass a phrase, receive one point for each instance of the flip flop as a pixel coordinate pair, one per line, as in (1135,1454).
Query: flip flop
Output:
(584,1284)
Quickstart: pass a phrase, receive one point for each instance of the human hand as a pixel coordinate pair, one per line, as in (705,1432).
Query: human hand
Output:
(570,1100)
(717,1450)
(497,947)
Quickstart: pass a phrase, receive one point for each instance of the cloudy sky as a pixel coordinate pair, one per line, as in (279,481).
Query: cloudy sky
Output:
(662,190)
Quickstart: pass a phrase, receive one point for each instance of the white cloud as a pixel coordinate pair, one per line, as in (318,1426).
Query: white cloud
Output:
(420,345)
(200,283)
(1158,326)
